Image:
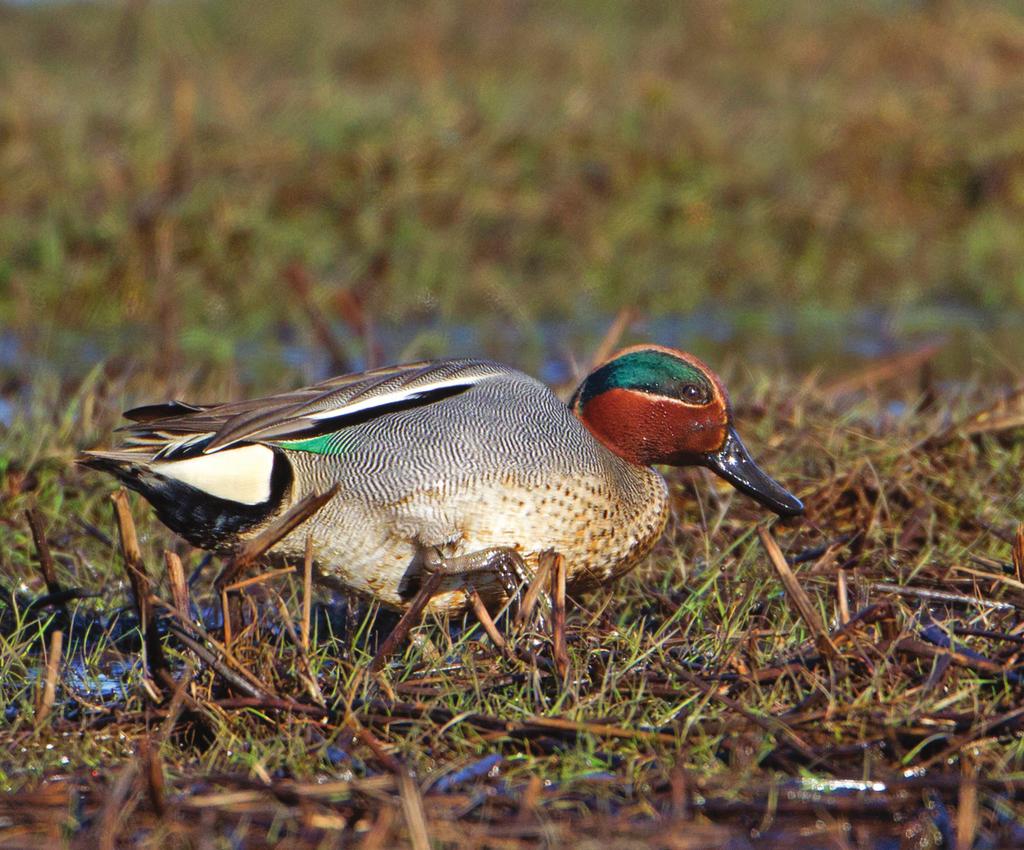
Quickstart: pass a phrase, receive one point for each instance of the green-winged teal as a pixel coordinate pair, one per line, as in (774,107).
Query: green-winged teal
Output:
(445,464)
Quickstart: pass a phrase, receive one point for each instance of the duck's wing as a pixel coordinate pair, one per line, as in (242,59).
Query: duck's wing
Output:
(172,412)
(178,427)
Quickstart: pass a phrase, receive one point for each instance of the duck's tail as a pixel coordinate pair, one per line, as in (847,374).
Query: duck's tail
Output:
(209,499)
(113,460)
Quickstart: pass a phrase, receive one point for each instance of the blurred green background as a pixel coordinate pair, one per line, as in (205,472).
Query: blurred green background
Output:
(191,183)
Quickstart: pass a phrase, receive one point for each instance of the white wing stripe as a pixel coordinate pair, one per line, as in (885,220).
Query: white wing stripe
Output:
(395,396)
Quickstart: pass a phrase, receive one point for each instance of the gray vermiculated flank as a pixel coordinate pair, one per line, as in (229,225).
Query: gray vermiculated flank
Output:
(507,424)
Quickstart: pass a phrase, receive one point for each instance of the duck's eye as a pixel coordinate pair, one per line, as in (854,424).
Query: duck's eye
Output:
(695,394)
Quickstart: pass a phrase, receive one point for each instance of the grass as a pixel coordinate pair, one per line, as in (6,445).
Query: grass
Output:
(696,703)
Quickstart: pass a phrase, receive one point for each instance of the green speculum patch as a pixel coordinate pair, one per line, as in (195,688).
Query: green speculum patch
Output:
(653,372)
(324,444)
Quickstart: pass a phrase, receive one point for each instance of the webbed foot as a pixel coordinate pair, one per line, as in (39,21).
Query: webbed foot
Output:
(506,562)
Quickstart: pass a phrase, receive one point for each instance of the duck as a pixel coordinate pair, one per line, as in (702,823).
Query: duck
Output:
(463,466)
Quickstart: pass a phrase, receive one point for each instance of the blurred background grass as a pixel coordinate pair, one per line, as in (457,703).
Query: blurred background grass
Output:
(182,182)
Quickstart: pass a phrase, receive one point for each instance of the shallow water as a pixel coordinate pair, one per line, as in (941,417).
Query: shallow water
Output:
(769,337)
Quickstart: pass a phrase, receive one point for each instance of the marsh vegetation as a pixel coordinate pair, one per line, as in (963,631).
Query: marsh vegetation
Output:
(208,200)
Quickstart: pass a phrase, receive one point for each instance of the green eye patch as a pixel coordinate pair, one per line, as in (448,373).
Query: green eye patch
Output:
(652,372)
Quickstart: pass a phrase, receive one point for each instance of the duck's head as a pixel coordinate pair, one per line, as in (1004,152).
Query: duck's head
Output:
(651,405)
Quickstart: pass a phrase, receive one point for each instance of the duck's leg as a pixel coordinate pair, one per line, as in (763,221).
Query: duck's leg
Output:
(507,563)
(498,560)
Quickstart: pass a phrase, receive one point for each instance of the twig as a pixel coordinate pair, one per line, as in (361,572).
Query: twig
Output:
(152,769)
(195,575)
(271,704)
(942,596)
(297,277)
(559,650)
(252,549)
(226,617)
(1004,724)
(770,724)
(989,576)
(93,531)
(813,553)
(307,592)
(879,612)
(623,319)
(266,539)
(50,683)
(484,616)
(963,631)
(367,737)
(533,592)
(262,578)
(988,419)
(531,796)
(884,369)
(978,663)
(412,808)
(394,711)
(307,670)
(378,836)
(139,581)
(177,703)
(35,522)
(797,595)
(843,597)
(179,587)
(190,632)
(1018,553)
(114,807)
(409,619)
(682,798)
(967,807)
(601,730)
(236,680)
(65,596)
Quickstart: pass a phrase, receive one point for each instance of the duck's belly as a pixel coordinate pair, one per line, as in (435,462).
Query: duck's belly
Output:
(375,547)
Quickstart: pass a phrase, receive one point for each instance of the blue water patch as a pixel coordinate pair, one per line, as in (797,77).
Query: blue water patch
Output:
(486,766)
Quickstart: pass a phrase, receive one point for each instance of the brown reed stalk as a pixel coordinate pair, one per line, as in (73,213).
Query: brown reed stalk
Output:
(178,583)
(540,580)
(138,579)
(409,619)
(559,648)
(412,809)
(35,522)
(485,619)
(797,595)
(1018,553)
(307,592)
(49,693)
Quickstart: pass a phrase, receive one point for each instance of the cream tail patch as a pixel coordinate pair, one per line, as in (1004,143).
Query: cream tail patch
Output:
(240,475)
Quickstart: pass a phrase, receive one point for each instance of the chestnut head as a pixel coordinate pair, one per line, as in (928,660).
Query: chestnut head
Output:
(651,404)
